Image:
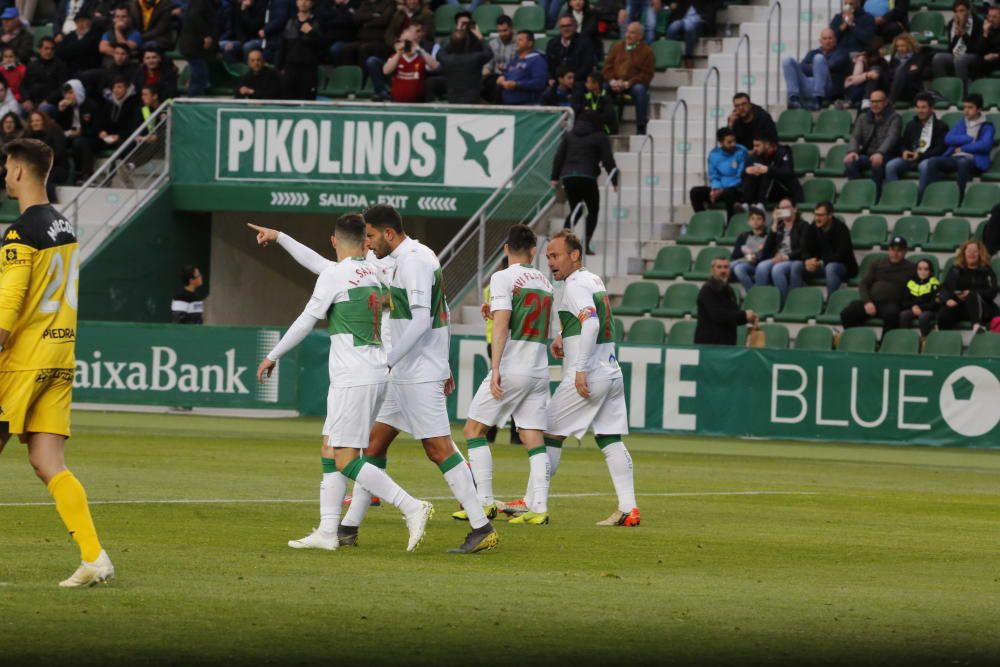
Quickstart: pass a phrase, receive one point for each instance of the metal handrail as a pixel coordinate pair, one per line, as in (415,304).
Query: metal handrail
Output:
(647,139)
(767,58)
(745,38)
(573,219)
(673,148)
(704,118)
(618,222)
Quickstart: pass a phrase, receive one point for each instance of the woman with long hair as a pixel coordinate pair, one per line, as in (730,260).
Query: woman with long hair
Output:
(970,288)
(11,128)
(42,127)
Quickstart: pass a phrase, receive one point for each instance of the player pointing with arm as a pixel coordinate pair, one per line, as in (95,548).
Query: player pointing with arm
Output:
(348,295)
(38,298)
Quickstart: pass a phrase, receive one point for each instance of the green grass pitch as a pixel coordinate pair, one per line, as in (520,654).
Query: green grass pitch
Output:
(861,555)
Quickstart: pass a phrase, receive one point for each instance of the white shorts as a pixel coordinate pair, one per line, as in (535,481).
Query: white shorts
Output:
(350,413)
(420,409)
(526,398)
(604,412)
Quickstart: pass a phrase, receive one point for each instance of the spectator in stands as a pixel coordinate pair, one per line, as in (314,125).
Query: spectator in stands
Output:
(628,70)
(242,21)
(788,242)
(968,147)
(642,12)
(434,87)
(689,18)
(921,300)
(337,20)
(597,99)
(302,49)
(908,68)
(869,75)
(719,313)
(854,27)
(991,233)
(874,140)
(526,75)
(989,47)
(410,12)
(11,128)
(43,128)
(970,289)
(121,31)
(44,76)
(923,138)
(119,114)
(750,249)
(156,70)
(882,289)
(571,50)
(577,164)
(80,49)
(769,175)
(260,81)
(409,66)
(188,304)
(372,18)
(12,71)
(7,101)
(77,116)
(16,34)
(561,93)
(819,76)
(965,36)
(552,10)
(154,20)
(750,121)
(586,24)
(892,17)
(197,42)
(148,145)
(503,47)
(121,65)
(437,83)
(726,164)
(64,21)
(463,69)
(830,254)
(463,21)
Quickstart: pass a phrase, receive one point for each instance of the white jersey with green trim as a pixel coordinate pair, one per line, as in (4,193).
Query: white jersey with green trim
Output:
(523,290)
(585,297)
(417,282)
(348,295)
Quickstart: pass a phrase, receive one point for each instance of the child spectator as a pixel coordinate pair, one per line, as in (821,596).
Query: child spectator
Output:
(560,93)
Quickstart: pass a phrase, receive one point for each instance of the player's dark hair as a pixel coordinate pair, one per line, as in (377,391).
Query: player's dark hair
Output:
(724,132)
(521,238)
(505,20)
(187,274)
(351,228)
(571,240)
(826,206)
(34,154)
(383,216)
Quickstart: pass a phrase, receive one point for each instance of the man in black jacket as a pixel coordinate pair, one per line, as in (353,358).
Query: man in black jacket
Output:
(923,138)
(197,42)
(463,69)
(831,252)
(302,47)
(750,121)
(882,289)
(44,77)
(261,81)
(80,49)
(118,115)
(965,36)
(770,174)
(718,312)
(989,47)
(570,50)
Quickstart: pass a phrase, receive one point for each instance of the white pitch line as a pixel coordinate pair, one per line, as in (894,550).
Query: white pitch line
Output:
(278,501)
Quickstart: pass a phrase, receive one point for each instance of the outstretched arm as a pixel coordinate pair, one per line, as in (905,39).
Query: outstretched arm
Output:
(302,254)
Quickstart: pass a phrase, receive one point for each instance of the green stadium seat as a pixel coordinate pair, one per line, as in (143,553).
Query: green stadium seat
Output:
(939,198)
(669,54)
(794,124)
(949,234)
(486,17)
(703,227)
(927,27)
(832,124)
(806,158)
(679,300)
(897,197)
(802,305)
(646,332)
(682,333)
(339,81)
(980,198)
(858,339)
(869,231)
(905,117)
(639,298)
(901,341)
(765,300)
(951,89)
(444,19)
(775,336)
(619,330)
(984,345)
(816,190)
(947,267)
(914,228)
(980,228)
(996,265)
(702,269)
(866,262)
(989,89)
(541,42)
(40,32)
(528,17)
(917,256)
(739,223)
(856,196)
(951,118)
(814,338)
(945,343)
(833,163)
(836,303)
(993,173)
(671,261)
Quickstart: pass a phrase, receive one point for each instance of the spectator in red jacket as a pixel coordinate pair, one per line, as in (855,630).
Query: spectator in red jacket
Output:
(409,66)
(13,71)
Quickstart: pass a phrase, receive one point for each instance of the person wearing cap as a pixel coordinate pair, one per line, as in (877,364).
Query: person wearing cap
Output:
(81,48)
(15,34)
(882,289)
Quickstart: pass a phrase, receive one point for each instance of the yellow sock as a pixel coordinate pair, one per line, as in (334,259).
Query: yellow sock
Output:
(71,503)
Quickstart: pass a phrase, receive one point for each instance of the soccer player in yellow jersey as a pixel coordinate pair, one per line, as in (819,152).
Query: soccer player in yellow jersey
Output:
(40,264)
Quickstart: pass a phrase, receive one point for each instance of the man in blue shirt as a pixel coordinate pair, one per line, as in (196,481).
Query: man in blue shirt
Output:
(725,174)
(121,31)
(820,76)
(527,74)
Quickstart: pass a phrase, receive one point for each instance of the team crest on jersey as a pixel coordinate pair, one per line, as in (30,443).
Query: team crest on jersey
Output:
(11,254)
(12,235)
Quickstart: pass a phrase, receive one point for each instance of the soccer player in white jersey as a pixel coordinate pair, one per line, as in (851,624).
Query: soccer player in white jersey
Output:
(348,294)
(592,393)
(518,382)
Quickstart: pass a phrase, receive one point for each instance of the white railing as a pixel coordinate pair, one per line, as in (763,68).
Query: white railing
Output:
(673,154)
(767,58)
(618,222)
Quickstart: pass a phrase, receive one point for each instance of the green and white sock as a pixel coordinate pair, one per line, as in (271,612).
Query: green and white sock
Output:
(481,462)
(538,479)
(620,466)
(331,496)
(361,499)
(377,481)
(459,478)
(553,447)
